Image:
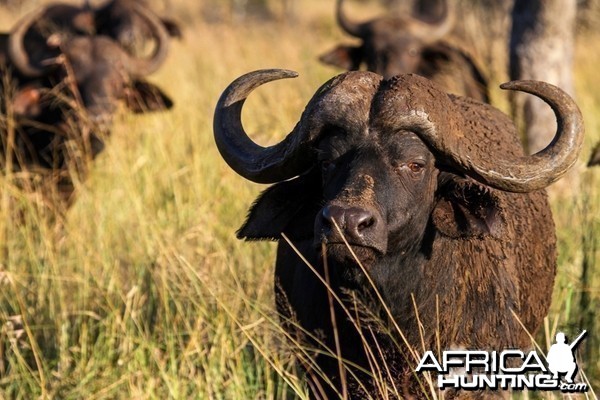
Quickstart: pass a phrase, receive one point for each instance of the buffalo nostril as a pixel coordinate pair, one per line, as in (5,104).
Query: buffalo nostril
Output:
(366,222)
(359,220)
(355,223)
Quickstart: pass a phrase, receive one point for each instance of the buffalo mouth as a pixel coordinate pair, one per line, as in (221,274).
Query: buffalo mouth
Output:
(348,252)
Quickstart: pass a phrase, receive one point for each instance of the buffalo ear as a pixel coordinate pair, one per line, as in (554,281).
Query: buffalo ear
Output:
(142,96)
(345,57)
(466,208)
(289,207)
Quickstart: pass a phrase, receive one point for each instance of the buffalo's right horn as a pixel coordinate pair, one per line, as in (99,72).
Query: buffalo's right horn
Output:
(330,109)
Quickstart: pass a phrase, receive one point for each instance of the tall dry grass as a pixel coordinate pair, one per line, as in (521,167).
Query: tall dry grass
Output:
(145,293)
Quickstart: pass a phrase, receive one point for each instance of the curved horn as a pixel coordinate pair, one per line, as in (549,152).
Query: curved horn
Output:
(352,28)
(250,160)
(444,132)
(16,46)
(432,31)
(342,104)
(548,165)
(146,66)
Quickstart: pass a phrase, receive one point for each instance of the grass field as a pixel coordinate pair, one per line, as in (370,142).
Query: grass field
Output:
(144,292)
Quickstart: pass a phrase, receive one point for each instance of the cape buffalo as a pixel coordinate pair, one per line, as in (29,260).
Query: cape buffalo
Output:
(426,195)
(100,69)
(68,91)
(120,20)
(401,44)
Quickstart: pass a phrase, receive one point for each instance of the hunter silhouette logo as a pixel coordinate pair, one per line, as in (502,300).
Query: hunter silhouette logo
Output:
(510,369)
(561,357)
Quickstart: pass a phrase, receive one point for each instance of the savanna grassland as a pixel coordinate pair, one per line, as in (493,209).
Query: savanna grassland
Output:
(143,291)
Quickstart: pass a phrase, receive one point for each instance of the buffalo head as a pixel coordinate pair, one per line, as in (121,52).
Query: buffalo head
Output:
(390,45)
(400,44)
(97,66)
(66,92)
(378,152)
(431,193)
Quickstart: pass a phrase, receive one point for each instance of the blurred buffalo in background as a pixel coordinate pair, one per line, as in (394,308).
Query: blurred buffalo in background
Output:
(398,44)
(63,83)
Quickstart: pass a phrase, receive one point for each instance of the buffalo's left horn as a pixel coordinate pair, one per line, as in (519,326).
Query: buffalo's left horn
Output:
(539,170)
(252,161)
(442,126)
(16,45)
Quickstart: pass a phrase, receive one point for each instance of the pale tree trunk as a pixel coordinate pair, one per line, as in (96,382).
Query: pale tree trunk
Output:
(541,48)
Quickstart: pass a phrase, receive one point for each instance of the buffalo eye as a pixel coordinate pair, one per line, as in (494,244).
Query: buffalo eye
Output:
(413,52)
(415,166)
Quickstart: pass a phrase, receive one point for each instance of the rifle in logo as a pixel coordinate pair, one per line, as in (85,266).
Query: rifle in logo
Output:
(561,356)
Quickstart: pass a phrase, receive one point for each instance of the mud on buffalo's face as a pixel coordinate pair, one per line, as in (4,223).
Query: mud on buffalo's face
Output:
(376,189)
(373,162)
